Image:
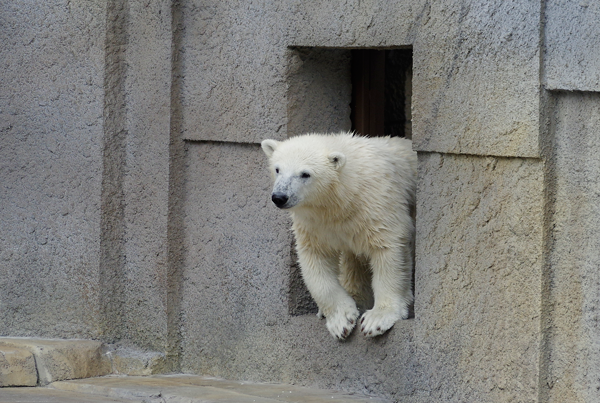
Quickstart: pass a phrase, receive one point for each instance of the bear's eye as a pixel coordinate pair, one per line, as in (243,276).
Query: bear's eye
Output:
(276,170)
(305,175)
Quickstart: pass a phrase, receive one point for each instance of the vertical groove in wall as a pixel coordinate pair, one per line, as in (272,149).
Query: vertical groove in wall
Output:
(546,136)
(112,255)
(547,146)
(176,182)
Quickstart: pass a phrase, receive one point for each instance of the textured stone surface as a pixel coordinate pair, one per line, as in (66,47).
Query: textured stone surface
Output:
(127,360)
(341,24)
(56,360)
(476,78)
(85,112)
(147,89)
(319,91)
(228,49)
(50,151)
(573,346)
(572,33)
(17,367)
(137,176)
(478,277)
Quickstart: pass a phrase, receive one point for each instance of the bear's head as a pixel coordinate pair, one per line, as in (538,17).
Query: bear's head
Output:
(304,172)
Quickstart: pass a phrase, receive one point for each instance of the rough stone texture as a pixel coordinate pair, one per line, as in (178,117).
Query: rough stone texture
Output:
(319,91)
(234,64)
(478,277)
(342,24)
(85,154)
(488,53)
(572,362)
(572,34)
(128,360)
(57,360)
(51,155)
(476,78)
(17,367)
(147,89)
(136,170)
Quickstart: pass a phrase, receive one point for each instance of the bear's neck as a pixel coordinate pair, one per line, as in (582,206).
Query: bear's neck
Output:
(338,206)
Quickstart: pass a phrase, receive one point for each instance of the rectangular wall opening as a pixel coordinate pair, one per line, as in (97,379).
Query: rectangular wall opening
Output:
(331,90)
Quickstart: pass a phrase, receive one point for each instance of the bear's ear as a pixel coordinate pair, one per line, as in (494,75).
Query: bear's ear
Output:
(337,159)
(269,146)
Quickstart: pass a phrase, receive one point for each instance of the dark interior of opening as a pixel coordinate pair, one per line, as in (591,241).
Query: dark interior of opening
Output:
(381,92)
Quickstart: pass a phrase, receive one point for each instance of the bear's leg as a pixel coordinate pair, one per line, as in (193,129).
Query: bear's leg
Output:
(392,290)
(355,277)
(320,274)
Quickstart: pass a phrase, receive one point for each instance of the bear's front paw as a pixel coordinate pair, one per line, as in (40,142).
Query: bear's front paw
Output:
(341,322)
(377,321)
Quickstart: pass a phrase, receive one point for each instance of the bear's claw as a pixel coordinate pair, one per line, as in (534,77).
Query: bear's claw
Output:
(378,321)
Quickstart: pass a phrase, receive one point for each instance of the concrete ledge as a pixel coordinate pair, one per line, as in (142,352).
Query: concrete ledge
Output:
(58,360)
(17,367)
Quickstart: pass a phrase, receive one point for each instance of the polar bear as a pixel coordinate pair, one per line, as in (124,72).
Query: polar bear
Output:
(351,199)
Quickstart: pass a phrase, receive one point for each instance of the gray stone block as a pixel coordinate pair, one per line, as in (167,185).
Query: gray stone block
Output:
(363,24)
(476,78)
(51,112)
(572,35)
(571,365)
(478,277)
(227,48)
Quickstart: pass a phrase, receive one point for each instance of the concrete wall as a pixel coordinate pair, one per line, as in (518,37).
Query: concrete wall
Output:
(572,354)
(135,196)
(51,114)
(478,276)
(86,100)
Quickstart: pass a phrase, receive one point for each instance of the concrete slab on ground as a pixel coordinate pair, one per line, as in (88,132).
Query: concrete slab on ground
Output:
(57,360)
(175,388)
(49,395)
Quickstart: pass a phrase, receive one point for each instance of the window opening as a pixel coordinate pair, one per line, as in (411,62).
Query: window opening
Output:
(322,83)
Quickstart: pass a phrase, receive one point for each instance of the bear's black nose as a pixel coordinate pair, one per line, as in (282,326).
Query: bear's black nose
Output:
(279,199)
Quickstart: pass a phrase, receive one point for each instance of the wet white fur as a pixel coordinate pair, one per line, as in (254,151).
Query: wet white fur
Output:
(353,219)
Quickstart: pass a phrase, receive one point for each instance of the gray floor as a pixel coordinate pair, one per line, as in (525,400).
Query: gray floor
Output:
(172,389)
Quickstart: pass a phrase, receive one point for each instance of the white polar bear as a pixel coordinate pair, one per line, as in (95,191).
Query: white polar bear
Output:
(351,199)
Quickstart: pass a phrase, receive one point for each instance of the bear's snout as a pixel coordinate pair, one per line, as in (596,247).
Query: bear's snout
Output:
(279,199)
